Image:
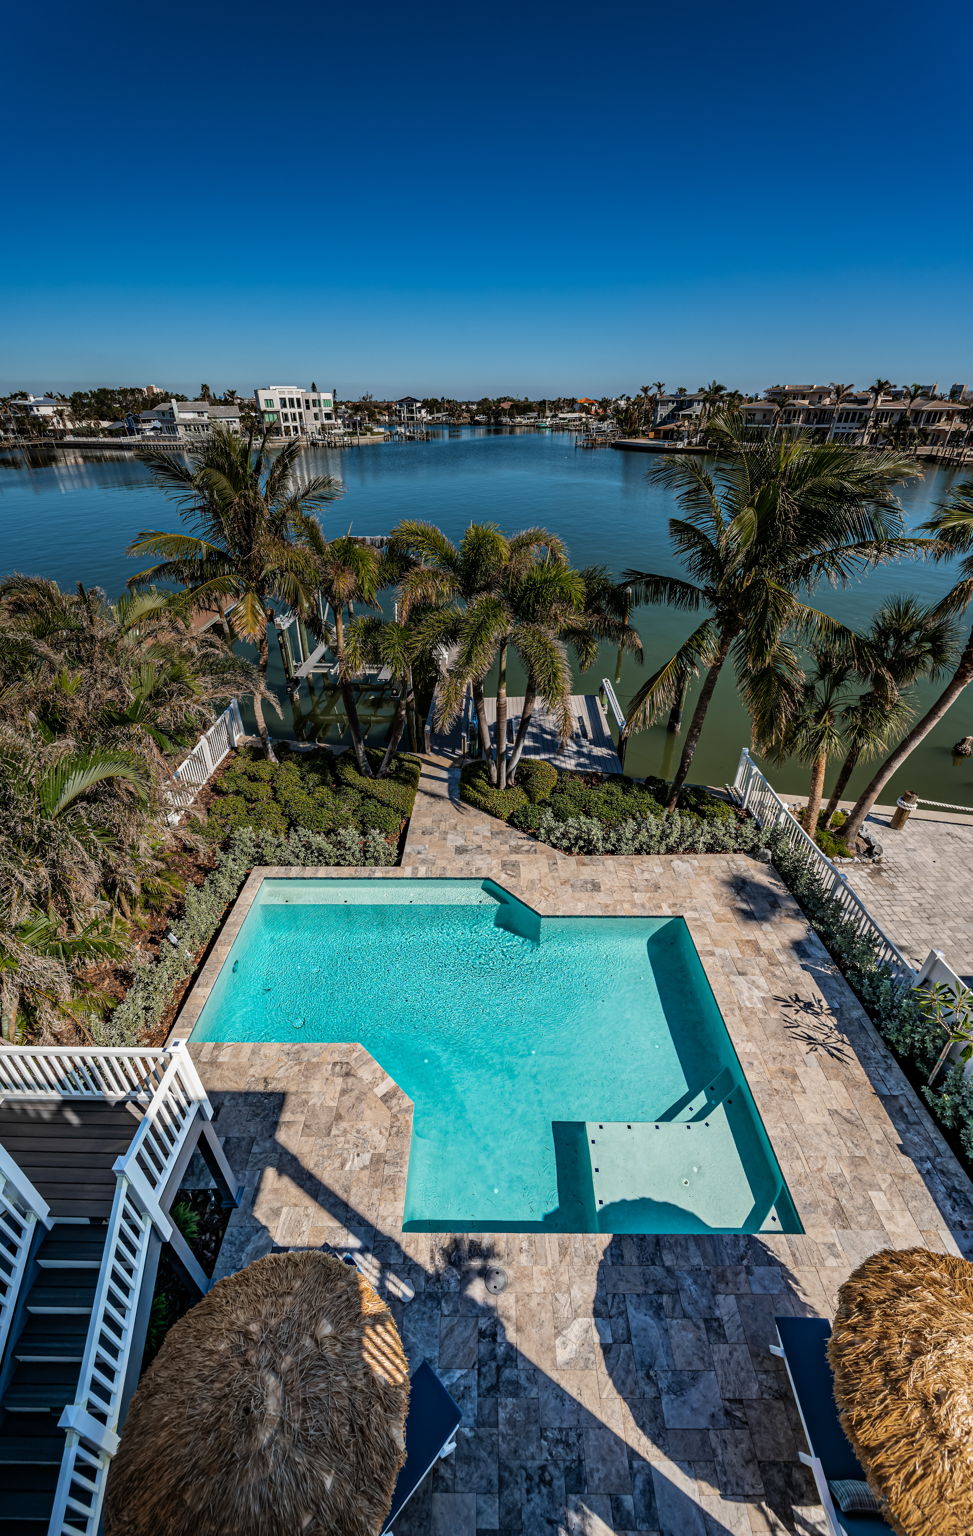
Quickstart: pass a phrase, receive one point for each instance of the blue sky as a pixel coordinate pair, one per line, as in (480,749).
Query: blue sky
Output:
(471,199)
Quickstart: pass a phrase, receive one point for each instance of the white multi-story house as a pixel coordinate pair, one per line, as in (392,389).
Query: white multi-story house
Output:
(409,410)
(290,411)
(44,411)
(187,419)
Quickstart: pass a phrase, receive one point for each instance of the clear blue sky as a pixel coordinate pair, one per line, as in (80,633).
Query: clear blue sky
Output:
(453,198)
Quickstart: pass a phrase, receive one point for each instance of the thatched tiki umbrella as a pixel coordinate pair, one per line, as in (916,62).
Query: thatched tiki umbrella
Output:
(902,1356)
(275,1407)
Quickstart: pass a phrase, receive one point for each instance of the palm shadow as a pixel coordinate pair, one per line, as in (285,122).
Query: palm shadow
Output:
(633,1394)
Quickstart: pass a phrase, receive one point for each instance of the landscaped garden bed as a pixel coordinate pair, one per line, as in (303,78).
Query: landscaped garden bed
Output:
(610,813)
(311,808)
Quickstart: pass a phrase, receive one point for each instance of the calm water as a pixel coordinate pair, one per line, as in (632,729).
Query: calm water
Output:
(546,1024)
(72,521)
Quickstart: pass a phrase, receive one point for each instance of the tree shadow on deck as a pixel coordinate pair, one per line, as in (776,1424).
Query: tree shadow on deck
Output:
(614,1385)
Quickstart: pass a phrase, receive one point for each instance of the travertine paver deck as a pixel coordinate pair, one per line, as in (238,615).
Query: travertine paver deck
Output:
(618,1384)
(921,892)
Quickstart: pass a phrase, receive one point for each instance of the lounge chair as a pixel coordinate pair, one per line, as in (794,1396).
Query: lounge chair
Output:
(803,1348)
(430,1434)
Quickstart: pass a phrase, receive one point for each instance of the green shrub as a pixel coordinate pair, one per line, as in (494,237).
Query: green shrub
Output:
(374,817)
(537,778)
(672,832)
(476,790)
(526,818)
(398,787)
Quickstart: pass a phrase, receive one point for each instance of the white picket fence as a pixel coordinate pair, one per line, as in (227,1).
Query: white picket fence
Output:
(167,1084)
(758,796)
(203,761)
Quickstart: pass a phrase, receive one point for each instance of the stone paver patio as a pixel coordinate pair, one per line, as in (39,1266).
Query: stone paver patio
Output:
(618,1384)
(921,891)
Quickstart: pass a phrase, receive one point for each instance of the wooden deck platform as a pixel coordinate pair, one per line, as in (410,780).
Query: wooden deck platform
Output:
(589,749)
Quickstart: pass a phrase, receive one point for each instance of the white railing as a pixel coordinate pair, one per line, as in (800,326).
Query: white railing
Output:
(203,761)
(758,796)
(92,1420)
(611,699)
(62,1072)
(167,1084)
(21,1208)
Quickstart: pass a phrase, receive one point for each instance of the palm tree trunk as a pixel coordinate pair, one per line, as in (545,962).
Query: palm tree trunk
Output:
(395,735)
(841,783)
(674,723)
(517,750)
(354,727)
(696,724)
(960,679)
(410,708)
(501,746)
(263,660)
(482,727)
(815,794)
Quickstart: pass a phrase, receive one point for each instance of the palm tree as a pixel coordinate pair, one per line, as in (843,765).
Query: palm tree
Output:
(247,516)
(904,642)
(397,646)
(345,572)
(814,732)
(781,514)
(435,572)
(876,390)
(712,394)
(839,393)
(952,526)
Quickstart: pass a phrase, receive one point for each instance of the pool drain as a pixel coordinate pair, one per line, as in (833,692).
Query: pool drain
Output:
(495,1281)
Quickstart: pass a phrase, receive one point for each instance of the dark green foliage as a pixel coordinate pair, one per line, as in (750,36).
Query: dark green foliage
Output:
(610,799)
(526,818)
(476,790)
(311,792)
(537,778)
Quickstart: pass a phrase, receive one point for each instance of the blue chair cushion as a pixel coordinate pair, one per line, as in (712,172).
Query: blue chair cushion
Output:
(854,1497)
(805,1344)
(432,1421)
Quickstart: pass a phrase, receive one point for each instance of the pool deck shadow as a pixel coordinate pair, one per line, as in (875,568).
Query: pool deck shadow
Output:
(590,1325)
(616,1384)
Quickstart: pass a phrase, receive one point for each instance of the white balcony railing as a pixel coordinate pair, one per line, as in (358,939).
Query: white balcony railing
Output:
(63,1072)
(21,1210)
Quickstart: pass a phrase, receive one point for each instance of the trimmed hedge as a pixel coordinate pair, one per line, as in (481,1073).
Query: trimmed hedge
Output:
(609,813)
(156,981)
(309,791)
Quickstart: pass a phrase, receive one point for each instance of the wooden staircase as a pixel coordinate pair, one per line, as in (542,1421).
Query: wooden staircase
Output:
(67,1149)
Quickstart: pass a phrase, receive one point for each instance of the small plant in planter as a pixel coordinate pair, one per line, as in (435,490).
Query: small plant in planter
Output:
(951,1010)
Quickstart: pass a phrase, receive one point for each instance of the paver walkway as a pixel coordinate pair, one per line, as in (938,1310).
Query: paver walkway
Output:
(922,891)
(617,1384)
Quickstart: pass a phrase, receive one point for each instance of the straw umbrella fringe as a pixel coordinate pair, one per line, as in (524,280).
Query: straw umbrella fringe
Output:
(902,1356)
(275,1406)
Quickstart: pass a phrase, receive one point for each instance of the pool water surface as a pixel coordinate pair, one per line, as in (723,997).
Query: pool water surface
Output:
(567,1074)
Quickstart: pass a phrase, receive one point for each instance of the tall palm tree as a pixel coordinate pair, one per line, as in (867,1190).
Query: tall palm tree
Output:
(781,514)
(952,526)
(246,515)
(345,572)
(839,394)
(436,572)
(712,394)
(397,646)
(904,642)
(876,390)
(814,732)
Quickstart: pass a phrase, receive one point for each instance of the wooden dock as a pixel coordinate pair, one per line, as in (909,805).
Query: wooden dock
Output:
(589,749)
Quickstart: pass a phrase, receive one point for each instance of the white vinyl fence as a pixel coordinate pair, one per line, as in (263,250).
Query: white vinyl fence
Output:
(203,761)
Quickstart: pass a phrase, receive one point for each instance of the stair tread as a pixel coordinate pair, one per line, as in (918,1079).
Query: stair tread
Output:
(18,1449)
(41,1384)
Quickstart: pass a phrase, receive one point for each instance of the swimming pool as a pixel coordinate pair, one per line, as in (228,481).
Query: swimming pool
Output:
(569,1074)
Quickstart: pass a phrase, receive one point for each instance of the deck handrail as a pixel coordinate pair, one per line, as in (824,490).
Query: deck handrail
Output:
(80,1072)
(611,699)
(758,796)
(22,1208)
(91,1422)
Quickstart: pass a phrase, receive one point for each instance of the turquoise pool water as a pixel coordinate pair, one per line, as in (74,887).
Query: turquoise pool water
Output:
(567,1074)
